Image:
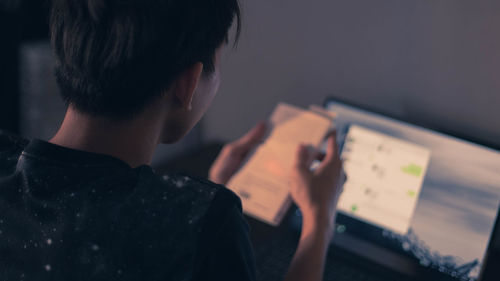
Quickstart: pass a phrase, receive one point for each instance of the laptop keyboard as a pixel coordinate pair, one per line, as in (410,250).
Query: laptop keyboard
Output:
(274,259)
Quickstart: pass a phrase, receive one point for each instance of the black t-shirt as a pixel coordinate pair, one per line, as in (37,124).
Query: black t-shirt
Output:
(72,215)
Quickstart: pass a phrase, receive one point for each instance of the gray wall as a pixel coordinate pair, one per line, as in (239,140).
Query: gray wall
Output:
(435,62)
(42,109)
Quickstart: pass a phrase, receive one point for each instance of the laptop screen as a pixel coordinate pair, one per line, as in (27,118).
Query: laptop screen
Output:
(420,193)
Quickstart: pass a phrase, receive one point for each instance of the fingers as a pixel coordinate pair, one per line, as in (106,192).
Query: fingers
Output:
(304,158)
(252,138)
(331,159)
(301,157)
(331,148)
(320,156)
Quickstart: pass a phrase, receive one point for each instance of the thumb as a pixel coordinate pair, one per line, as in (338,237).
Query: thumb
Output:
(252,138)
(332,153)
(303,159)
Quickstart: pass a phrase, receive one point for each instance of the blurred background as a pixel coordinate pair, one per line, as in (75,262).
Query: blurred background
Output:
(432,62)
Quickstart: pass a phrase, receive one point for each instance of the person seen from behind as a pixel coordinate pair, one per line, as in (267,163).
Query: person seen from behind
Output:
(87,205)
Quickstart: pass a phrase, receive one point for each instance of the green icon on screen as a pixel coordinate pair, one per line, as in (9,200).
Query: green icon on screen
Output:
(354,208)
(412,169)
(411,193)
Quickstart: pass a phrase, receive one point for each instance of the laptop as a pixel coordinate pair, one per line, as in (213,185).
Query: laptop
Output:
(417,203)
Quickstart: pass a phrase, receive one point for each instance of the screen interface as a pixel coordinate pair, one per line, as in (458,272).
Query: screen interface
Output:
(432,196)
(385,177)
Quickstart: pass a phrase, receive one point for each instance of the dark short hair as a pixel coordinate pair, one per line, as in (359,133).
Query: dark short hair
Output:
(113,57)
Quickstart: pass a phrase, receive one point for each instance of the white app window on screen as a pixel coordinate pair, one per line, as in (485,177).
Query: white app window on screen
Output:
(385,176)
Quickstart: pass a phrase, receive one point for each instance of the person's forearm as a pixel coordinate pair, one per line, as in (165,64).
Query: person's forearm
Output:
(309,259)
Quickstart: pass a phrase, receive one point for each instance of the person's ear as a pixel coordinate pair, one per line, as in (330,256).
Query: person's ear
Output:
(186,83)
